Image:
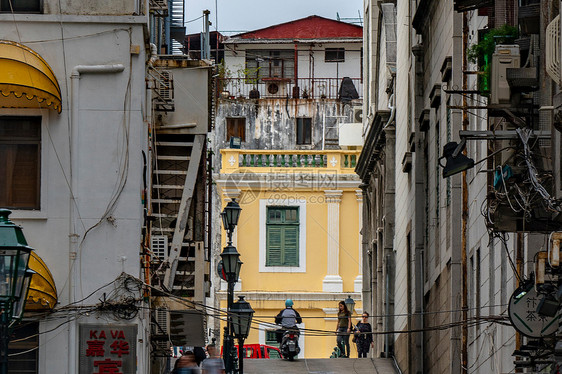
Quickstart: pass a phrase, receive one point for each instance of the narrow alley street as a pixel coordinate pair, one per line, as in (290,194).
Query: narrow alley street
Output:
(321,366)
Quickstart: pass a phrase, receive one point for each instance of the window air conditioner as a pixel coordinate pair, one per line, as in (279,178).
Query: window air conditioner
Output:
(159,246)
(506,56)
(552,51)
(162,328)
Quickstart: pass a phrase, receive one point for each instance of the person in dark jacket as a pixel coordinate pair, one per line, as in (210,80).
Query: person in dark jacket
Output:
(288,318)
(363,336)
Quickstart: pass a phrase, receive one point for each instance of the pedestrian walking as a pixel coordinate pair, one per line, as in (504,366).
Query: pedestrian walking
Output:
(343,329)
(186,364)
(363,336)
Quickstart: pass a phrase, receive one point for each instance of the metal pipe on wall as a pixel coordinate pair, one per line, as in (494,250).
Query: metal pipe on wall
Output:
(464,293)
(75,75)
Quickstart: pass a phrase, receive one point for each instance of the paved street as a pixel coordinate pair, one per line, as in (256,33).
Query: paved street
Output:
(321,366)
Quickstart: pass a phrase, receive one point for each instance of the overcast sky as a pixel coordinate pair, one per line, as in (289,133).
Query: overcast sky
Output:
(245,15)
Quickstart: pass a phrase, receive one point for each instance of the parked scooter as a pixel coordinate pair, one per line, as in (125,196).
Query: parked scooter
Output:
(290,344)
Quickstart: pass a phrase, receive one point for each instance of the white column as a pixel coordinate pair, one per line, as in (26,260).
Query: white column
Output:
(333,282)
(358,284)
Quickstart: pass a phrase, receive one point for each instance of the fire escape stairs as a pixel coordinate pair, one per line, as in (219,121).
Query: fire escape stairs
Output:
(179,259)
(159,7)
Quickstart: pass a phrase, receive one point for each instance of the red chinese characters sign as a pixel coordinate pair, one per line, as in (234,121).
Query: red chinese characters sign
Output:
(108,349)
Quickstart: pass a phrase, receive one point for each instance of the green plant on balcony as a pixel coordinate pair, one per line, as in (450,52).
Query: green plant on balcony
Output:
(224,77)
(481,53)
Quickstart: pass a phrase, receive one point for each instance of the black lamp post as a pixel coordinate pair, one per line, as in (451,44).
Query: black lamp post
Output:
(350,304)
(242,314)
(230,216)
(231,264)
(14,280)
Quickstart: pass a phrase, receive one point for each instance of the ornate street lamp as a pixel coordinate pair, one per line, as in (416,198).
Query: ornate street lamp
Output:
(242,314)
(14,280)
(231,266)
(350,304)
(230,261)
(230,216)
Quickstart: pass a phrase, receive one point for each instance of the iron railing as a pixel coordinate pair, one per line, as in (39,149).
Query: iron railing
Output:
(306,88)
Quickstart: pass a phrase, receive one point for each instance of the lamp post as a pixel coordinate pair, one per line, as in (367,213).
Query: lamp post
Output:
(14,280)
(231,265)
(350,304)
(242,314)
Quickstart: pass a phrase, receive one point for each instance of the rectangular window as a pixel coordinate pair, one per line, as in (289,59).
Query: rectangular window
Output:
(20,150)
(20,6)
(282,236)
(270,63)
(271,338)
(23,349)
(334,55)
(304,131)
(236,127)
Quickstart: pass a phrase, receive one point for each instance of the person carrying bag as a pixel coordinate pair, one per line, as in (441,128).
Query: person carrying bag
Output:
(363,337)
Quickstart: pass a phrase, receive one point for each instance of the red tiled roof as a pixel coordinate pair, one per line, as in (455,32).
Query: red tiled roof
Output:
(312,27)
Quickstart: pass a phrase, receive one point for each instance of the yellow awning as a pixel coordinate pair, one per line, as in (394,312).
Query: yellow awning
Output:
(26,80)
(42,290)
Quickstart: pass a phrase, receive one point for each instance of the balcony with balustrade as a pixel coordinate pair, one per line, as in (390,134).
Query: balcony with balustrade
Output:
(283,161)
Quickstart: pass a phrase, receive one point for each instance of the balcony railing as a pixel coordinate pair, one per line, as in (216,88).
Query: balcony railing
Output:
(261,161)
(306,88)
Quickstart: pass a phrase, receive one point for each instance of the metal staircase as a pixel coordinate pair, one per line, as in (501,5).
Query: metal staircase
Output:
(177,26)
(178,252)
(159,7)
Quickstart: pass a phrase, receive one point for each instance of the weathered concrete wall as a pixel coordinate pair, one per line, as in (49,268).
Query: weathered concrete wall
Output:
(271,123)
(91,8)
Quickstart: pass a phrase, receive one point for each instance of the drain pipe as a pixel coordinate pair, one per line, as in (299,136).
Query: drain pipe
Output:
(73,212)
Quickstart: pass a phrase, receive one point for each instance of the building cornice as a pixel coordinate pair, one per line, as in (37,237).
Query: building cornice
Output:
(373,143)
(309,296)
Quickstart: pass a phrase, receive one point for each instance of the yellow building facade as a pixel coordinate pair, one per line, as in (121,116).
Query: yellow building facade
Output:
(298,237)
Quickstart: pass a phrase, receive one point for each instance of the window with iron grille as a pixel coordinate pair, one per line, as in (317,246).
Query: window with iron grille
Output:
(282,236)
(20,157)
(21,6)
(334,55)
(236,126)
(270,63)
(304,131)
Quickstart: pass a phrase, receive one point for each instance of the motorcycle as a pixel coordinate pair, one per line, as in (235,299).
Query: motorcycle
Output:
(290,344)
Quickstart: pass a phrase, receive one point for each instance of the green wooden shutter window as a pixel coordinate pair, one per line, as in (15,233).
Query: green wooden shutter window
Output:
(282,236)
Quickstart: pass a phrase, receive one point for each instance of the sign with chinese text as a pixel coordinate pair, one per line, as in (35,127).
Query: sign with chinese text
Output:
(108,349)
(524,316)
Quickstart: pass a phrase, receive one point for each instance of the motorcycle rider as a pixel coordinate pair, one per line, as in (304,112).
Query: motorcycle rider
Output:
(288,319)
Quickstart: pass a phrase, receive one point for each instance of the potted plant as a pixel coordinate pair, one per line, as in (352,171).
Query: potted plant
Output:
(481,52)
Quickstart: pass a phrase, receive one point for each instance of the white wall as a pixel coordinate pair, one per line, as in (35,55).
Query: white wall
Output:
(112,133)
(311,61)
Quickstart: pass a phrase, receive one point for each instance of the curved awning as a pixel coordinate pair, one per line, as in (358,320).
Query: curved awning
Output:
(26,80)
(42,290)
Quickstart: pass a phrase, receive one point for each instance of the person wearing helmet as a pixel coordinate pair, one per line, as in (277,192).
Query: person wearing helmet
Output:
(288,318)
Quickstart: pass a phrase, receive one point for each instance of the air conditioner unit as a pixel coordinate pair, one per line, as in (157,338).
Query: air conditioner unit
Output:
(165,85)
(357,114)
(552,49)
(162,328)
(159,246)
(276,89)
(505,56)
